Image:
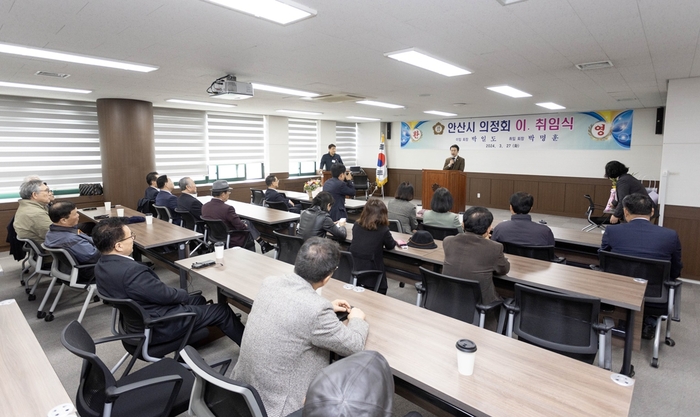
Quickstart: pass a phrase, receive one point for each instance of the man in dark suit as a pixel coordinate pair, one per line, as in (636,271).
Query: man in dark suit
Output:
(327,160)
(339,186)
(166,198)
(455,162)
(119,276)
(521,230)
(152,190)
(271,194)
(188,198)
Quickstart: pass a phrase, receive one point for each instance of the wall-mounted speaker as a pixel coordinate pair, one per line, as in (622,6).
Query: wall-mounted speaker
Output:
(660,120)
(385,128)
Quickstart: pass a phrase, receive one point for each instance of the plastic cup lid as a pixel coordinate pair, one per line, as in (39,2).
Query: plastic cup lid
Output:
(466,345)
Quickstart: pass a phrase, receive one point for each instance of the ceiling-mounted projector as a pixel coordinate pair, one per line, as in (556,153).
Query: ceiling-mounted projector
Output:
(229,89)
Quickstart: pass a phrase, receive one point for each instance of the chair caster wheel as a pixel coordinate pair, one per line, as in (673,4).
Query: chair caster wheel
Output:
(31,297)
(27,290)
(49,317)
(22,283)
(670,342)
(655,362)
(402,284)
(40,314)
(95,299)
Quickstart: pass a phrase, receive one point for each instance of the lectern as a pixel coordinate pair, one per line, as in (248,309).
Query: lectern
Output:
(455,181)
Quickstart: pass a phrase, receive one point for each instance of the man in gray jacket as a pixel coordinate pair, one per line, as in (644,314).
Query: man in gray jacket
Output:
(291,330)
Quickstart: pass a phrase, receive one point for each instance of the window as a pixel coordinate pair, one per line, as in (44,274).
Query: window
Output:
(58,140)
(346,142)
(180,143)
(303,142)
(236,146)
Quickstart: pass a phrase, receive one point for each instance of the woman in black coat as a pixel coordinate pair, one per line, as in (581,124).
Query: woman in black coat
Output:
(316,221)
(626,184)
(370,236)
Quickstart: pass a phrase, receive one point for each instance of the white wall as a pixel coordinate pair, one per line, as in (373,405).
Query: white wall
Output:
(277,138)
(644,157)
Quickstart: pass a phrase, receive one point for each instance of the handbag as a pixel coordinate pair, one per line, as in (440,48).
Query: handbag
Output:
(90,189)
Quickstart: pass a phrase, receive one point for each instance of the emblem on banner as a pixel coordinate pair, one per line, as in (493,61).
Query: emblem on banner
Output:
(438,128)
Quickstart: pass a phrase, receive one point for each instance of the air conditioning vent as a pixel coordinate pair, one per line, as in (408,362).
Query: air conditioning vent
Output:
(52,74)
(337,98)
(594,65)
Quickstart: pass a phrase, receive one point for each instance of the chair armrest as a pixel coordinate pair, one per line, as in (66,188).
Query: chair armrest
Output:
(149,322)
(120,337)
(112,393)
(197,292)
(510,305)
(419,287)
(85,266)
(604,327)
(486,307)
(559,260)
(673,283)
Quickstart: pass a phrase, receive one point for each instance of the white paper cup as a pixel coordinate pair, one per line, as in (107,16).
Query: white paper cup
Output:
(149,218)
(120,212)
(108,206)
(219,250)
(466,355)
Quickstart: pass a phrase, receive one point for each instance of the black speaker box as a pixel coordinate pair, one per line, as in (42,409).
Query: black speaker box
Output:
(660,120)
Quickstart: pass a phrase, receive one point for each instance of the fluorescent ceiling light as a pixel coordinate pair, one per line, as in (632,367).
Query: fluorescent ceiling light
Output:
(198,103)
(440,113)
(44,87)
(282,90)
(278,11)
(551,106)
(509,91)
(7,48)
(509,2)
(369,119)
(308,113)
(426,62)
(380,104)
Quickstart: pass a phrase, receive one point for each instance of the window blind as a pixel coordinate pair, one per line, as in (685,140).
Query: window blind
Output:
(346,142)
(303,139)
(180,143)
(235,138)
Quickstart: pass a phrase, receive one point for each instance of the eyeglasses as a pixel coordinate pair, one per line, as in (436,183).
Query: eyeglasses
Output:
(133,236)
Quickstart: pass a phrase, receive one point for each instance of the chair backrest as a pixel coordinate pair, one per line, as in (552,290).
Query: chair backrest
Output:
(360,181)
(439,233)
(543,253)
(218,396)
(277,205)
(305,204)
(288,247)
(131,315)
(36,253)
(257,196)
(591,204)
(163,213)
(451,296)
(558,322)
(655,271)
(395,226)
(345,267)
(218,232)
(64,265)
(188,220)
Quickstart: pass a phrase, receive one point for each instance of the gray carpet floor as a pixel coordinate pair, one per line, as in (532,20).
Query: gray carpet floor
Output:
(669,390)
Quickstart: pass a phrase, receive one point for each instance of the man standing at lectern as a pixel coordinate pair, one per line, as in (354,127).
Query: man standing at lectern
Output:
(455,162)
(329,159)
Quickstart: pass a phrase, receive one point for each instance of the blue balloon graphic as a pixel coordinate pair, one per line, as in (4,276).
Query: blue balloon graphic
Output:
(622,129)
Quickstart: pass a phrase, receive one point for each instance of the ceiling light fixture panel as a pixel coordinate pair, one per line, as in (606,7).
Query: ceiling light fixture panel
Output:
(551,106)
(421,60)
(380,104)
(283,90)
(367,119)
(509,91)
(440,113)
(308,113)
(199,103)
(43,87)
(283,12)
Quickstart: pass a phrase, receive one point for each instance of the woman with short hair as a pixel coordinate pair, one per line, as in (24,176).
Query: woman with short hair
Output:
(439,214)
(402,209)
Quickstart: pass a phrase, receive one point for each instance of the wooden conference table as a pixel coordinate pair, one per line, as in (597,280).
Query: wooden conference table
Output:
(151,236)
(29,385)
(257,214)
(349,202)
(510,377)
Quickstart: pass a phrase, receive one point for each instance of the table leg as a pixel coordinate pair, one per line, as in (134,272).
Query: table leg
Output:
(182,253)
(627,368)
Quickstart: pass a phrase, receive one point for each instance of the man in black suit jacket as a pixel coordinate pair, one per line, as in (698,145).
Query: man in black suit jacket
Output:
(166,198)
(271,194)
(188,198)
(152,190)
(455,162)
(119,276)
(339,186)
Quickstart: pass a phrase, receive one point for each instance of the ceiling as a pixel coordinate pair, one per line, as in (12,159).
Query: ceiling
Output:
(532,46)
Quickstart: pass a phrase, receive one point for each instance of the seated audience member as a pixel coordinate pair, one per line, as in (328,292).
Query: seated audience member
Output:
(152,190)
(316,221)
(217,209)
(472,255)
(64,233)
(521,230)
(291,330)
(360,385)
(188,198)
(16,246)
(339,186)
(439,214)
(119,276)
(370,235)
(166,198)
(402,209)
(271,194)
(32,217)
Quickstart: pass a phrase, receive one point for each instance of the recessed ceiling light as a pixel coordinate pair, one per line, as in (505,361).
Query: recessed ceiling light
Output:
(594,65)
(440,113)
(7,48)
(421,60)
(509,2)
(551,106)
(44,87)
(308,113)
(509,91)
(198,103)
(369,119)
(278,11)
(283,90)
(380,104)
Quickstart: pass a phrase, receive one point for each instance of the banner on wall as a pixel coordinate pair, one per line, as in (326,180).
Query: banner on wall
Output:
(382,170)
(601,130)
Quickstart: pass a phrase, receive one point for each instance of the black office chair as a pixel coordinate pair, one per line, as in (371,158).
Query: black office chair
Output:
(38,259)
(361,183)
(346,272)
(660,296)
(218,232)
(66,270)
(458,298)
(305,204)
(595,221)
(395,226)
(543,253)
(159,389)
(164,213)
(257,196)
(565,324)
(288,247)
(277,205)
(189,222)
(439,233)
(215,395)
